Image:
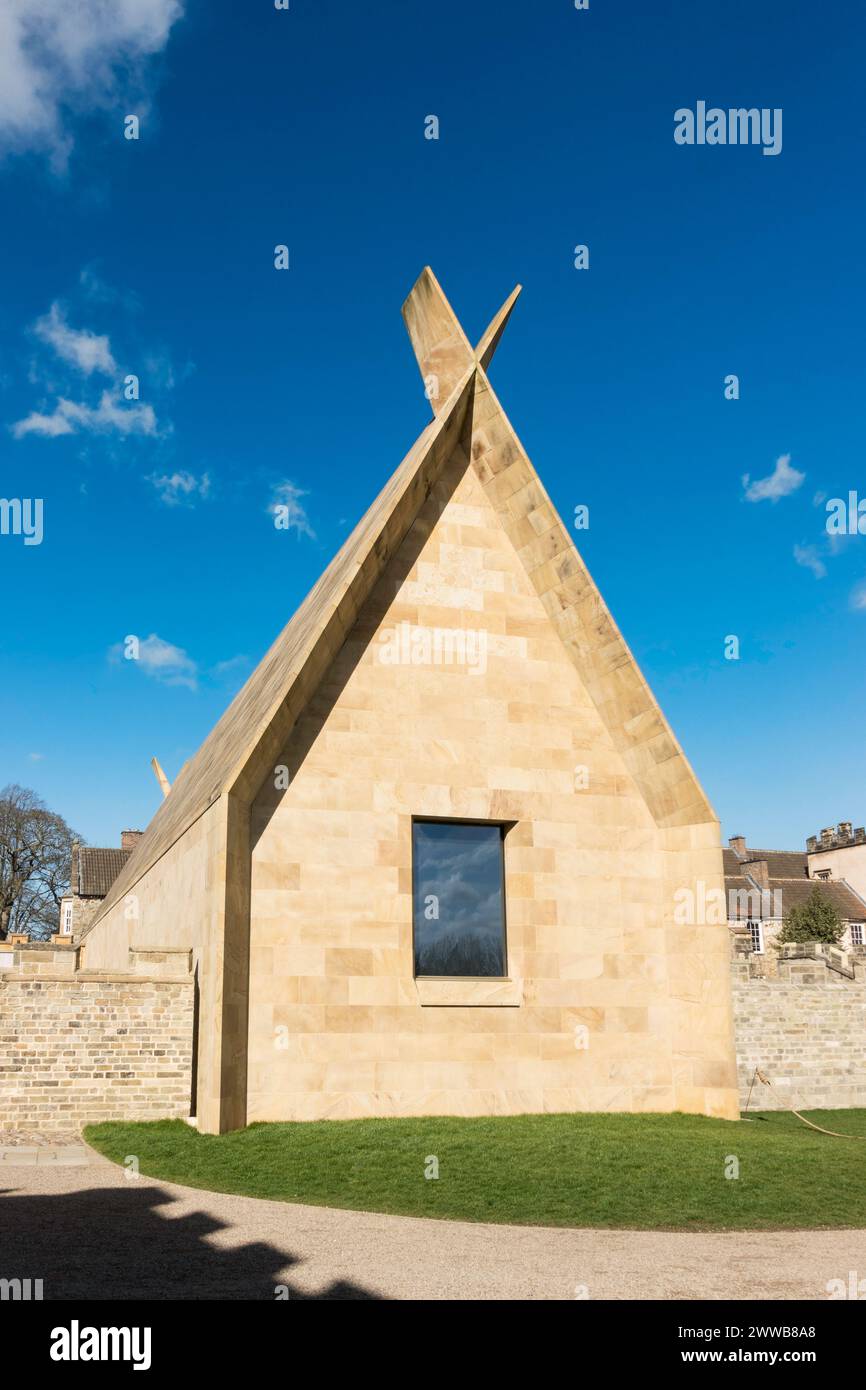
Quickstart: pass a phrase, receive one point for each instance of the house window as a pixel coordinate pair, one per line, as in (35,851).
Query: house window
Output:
(756,932)
(458,898)
(67,919)
(857,929)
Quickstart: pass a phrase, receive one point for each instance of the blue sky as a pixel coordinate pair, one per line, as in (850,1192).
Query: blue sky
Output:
(258,127)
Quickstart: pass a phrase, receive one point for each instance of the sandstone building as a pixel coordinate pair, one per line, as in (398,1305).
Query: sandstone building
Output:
(426,861)
(839,852)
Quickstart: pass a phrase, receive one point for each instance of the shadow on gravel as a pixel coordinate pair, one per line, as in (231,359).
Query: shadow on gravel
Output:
(124,1243)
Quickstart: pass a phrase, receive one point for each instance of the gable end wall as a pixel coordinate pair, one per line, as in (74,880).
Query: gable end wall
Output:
(610,1007)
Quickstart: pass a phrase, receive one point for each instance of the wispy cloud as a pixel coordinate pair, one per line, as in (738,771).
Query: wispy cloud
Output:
(287,510)
(76,351)
(858,597)
(231,671)
(182,488)
(170,664)
(60,59)
(837,542)
(780,483)
(808,557)
(85,350)
(158,659)
(71,417)
(95,290)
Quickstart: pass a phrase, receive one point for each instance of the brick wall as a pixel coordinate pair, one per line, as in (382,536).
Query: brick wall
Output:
(76,1048)
(806,1029)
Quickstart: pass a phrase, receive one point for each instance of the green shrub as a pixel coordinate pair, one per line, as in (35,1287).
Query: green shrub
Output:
(814,920)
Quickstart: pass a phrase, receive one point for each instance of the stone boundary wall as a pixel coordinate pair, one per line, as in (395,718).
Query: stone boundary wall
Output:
(80,1046)
(805,1027)
(77,1048)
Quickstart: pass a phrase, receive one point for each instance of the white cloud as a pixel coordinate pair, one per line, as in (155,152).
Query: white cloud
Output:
(808,557)
(781,482)
(69,417)
(51,426)
(286,509)
(88,351)
(59,58)
(176,488)
(160,660)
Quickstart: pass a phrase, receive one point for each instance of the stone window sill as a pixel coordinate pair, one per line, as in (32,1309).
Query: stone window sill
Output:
(451,992)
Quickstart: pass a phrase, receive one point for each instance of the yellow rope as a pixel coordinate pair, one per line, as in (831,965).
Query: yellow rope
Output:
(761,1077)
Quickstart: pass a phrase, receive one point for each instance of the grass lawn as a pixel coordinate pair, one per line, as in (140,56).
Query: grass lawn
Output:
(663,1172)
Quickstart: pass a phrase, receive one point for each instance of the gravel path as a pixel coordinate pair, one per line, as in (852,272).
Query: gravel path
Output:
(78,1223)
(31,1138)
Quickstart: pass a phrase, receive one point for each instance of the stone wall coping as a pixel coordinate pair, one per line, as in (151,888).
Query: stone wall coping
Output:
(16,944)
(95,978)
(160,950)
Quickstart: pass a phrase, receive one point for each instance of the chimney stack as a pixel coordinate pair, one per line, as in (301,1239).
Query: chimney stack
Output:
(827,838)
(738,844)
(130,838)
(844,828)
(760,872)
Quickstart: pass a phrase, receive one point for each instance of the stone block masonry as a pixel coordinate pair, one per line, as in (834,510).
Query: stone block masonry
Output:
(806,1030)
(77,1049)
(79,1046)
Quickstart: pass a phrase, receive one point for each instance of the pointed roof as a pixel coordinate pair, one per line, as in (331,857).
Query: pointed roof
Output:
(245,743)
(94,869)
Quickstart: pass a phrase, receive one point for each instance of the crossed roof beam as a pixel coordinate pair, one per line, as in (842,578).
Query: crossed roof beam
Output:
(442,350)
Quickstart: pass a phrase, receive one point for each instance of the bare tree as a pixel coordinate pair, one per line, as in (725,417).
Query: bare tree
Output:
(35,855)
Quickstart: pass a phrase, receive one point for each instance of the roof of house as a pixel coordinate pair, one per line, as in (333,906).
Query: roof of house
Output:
(244,745)
(787,875)
(96,870)
(781,863)
(849,905)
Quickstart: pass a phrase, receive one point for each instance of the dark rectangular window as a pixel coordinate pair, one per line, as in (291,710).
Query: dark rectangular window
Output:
(458,899)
